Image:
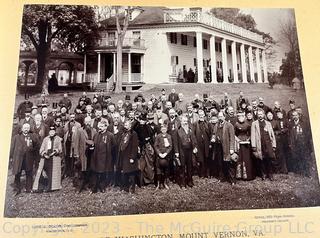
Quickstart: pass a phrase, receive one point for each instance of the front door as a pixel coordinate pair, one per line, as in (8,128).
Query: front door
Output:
(108,66)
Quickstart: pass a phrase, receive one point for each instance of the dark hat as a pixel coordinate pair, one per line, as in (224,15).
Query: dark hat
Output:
(28,110)
(127,97)
(54,105)
(143,116)
(107,97)
(164,124)
(291,101)
(205,95)
(163,90)
(52,127)
(195,105)
(240,112)
(62,105)
(214,113)
(248,110)
(150,115)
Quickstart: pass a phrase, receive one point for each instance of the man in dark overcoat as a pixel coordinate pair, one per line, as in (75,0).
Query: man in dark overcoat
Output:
(187,145)
(101,162)
(300,145)
(24,149)
(128,157)
(202,133)
(224,139)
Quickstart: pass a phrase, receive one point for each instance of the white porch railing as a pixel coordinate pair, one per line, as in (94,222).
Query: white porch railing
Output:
(127,42)
(181,15)
(136,77)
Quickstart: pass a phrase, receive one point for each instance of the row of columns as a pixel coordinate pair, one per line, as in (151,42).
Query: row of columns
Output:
(115,69)
(234,61)
(114,66)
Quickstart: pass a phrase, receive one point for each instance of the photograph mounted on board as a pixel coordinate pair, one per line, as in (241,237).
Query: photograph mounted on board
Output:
(125,110)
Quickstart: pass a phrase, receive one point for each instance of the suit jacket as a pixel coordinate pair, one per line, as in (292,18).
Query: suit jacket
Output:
(173,97)
(182,143)
(160,146)
(227,140)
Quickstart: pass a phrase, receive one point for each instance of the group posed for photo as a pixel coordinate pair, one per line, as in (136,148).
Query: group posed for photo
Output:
(99,143)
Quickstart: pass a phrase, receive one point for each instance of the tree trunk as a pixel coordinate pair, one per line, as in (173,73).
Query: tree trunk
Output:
(118,88)
(43,56)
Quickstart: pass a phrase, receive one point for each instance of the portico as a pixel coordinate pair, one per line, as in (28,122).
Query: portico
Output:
(234,54)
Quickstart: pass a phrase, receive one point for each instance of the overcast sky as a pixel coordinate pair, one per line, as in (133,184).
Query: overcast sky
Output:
(268,20)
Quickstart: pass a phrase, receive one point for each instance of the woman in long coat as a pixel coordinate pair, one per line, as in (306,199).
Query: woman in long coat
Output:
(128,157)
(50,162)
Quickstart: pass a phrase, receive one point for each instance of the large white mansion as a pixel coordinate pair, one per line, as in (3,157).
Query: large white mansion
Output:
(162,44)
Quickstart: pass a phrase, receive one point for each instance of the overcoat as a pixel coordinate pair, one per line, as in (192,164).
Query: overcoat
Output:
(228,139)
(82,143)
(20,150)
(101,160)
(128,149)
(256,137)
(202,134)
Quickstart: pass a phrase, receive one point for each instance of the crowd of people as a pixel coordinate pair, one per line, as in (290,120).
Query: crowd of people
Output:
(151,141)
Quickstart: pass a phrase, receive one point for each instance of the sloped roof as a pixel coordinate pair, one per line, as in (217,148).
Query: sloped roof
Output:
(149,15)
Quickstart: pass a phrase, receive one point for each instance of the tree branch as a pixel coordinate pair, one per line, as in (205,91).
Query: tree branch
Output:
(30,35)
(54,34)
(117,21)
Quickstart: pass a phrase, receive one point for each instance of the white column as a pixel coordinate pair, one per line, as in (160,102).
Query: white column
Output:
(142,68)
(213,59)
(99,68)
(234,62)
(84,67)
(251,69)
(243,64)
(258,65)
(264,65)
(224,61)
(199,57)
(129,67)
(114,67)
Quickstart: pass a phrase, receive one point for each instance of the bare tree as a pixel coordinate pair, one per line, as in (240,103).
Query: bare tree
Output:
(289,38)
(121,32)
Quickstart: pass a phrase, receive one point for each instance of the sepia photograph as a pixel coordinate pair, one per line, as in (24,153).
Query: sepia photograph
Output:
(123,110)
